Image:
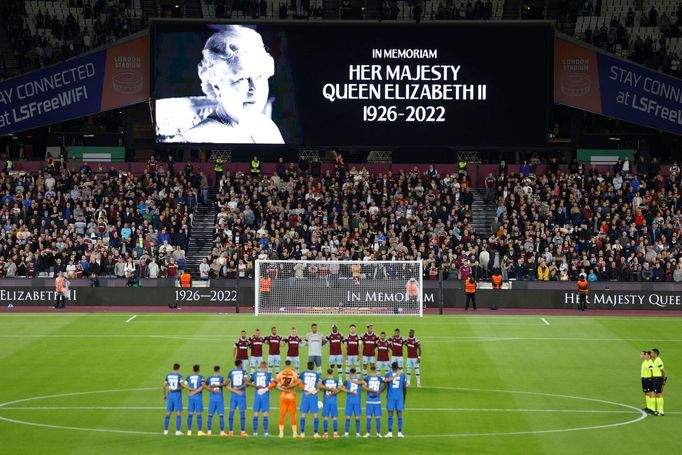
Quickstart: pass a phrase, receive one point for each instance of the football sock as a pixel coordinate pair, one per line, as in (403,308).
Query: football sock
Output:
(357,426)
(230,420)
(255,424)
(378,424)
(326,425)
(266,422)
(199,422)
(189,422)
(400,422)
(390,422)
(222,423)
(178,423)
(209,424)
(316,424)
(347,424)
(336,426)
(651,403)
(659,405)
(166,422)
(242,420)
(369,424)
(302,424)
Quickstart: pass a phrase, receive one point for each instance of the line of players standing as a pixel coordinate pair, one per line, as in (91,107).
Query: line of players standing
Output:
(372,380)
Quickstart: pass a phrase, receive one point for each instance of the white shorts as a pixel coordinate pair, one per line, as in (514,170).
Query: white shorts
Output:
(367,359)
(274,360)
(255,361)
(295,362)
(399,361)
(412,363)
(383,365)
(352,360)
(336,359)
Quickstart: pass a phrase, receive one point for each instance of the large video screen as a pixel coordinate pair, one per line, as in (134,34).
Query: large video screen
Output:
(337,84)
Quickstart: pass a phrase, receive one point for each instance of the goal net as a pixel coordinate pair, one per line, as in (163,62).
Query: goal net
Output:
(339,287)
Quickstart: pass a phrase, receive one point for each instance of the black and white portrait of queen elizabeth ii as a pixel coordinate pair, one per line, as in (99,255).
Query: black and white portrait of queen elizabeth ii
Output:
(234,72)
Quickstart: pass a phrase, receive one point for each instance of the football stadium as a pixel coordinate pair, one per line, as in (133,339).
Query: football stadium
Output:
(340,226)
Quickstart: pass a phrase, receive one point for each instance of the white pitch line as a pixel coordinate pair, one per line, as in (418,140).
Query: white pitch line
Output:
(131,318)
(545,321)
(161,408)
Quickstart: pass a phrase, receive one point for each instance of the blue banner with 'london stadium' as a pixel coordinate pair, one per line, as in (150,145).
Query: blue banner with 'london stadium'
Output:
(60,92)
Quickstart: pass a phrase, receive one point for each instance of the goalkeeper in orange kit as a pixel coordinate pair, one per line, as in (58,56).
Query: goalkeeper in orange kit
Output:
(287,382)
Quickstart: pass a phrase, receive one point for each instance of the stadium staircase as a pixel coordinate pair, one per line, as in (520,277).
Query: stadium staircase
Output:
(201,241)
(7,54)
(512,10)
(193,9)
(482,214)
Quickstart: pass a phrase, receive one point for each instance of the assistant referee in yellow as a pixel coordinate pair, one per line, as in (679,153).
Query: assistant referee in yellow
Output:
(659,379)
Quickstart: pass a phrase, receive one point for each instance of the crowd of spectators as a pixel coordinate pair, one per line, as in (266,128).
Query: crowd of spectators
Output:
(450,9)
(618,225)
(649,50)
(67,37)
(88,221)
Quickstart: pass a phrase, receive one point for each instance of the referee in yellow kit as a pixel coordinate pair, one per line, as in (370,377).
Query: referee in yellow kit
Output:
(659,379)
(647,381)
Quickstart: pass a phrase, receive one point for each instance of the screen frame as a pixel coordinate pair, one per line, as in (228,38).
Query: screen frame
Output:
(170,24)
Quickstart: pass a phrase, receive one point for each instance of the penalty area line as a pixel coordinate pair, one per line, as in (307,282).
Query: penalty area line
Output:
(545,321)
(131,318)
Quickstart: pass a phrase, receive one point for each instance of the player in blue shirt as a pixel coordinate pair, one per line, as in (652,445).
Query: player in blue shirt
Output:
(374,385)
(216,403)
(330,407)
(172,395)
(397,391)
(195,402)
(353,388)
(310,380)
(261,402)
(238,380)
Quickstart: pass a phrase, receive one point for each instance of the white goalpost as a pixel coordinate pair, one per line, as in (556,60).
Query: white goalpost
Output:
(339,287)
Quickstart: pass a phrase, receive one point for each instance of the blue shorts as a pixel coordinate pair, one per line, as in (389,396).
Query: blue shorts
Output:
(216,406)
(274,361)
(353,408)
(352,360)
(316,359)
(195,404)
(395,404)
(373,410)
(309,404)
(330,409)
(295,362)
(261,403)
(336,360)
(237,401)
(174,402)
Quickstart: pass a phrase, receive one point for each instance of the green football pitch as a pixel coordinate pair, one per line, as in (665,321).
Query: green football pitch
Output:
(91,383)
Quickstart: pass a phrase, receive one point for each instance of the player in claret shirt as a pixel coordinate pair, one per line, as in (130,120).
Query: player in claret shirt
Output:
(397,348)
(241,348)
(414,353)
(274,341)
(293,342)
(383,360)
(335,339)
(352,349)
(256,344)
(369,340)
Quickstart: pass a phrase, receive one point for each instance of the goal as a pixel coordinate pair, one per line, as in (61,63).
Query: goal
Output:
(339,287)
